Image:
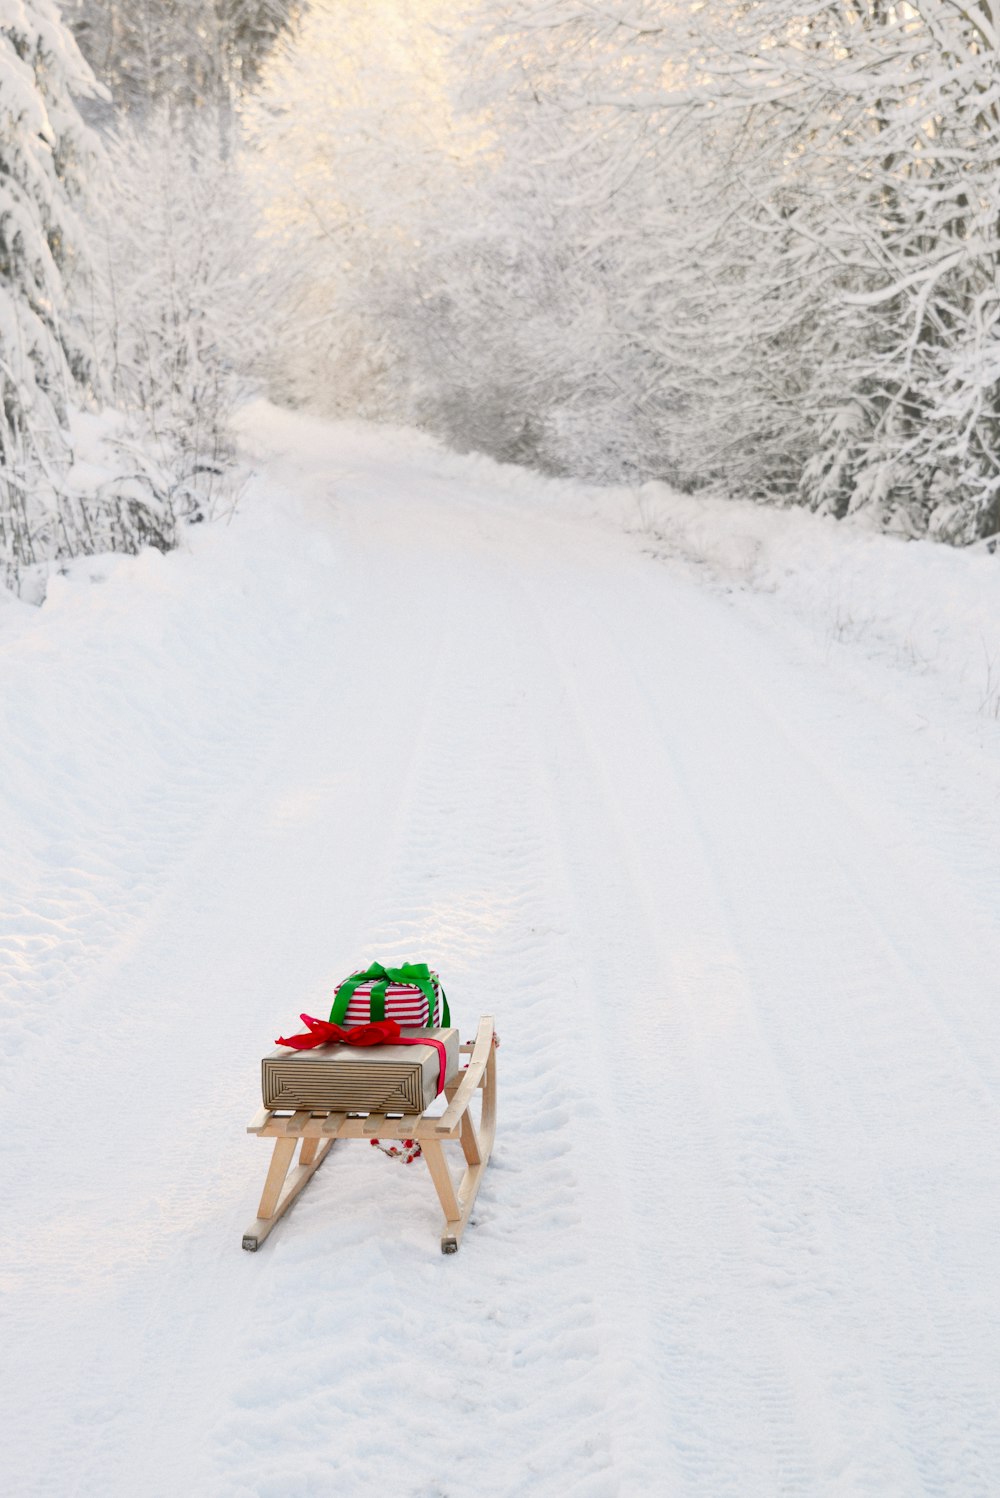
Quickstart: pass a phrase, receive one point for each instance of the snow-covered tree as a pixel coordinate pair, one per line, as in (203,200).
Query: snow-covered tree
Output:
(447,285)
(354,152)
(181,54)
(43,151)
(867,151)
(751,245)
(795,204)
(582,180)
(183,304)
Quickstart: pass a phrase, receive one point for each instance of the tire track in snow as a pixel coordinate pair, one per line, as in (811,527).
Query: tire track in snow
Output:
(577,776)
(784,1176)
(932,1095)
(471,888)
(696,1385)
(891,1063)
(94,819)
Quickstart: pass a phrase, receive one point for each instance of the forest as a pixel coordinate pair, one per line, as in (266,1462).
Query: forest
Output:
(746,247)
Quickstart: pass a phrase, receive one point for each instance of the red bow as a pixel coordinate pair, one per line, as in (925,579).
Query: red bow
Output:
(380,1032)
(323,1032)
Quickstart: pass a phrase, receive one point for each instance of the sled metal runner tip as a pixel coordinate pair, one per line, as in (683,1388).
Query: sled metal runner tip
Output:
(314,1135)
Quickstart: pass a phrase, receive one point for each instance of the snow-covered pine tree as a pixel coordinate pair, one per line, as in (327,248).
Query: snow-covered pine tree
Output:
(43,147)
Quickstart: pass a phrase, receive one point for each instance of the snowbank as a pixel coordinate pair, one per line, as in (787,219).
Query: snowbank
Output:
(918,604)
(926,605)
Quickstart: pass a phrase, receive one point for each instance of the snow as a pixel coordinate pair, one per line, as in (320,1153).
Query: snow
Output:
(728,877)
(926,606)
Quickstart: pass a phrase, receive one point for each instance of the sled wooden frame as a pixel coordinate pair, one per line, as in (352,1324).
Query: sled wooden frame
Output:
(316,1133)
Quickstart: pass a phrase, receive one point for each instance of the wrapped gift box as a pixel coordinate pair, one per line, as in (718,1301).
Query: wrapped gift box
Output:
(404,1002)
(356,1079)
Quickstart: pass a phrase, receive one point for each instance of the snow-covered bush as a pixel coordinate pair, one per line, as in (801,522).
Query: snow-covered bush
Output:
(146,318)
(181,305)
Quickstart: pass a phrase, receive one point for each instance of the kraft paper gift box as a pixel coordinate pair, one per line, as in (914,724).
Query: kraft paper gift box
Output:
(355,1079)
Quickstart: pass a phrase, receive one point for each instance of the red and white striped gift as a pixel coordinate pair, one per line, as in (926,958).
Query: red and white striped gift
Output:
(404,1002)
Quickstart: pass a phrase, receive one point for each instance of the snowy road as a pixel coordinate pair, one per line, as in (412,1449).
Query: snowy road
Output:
(738,918)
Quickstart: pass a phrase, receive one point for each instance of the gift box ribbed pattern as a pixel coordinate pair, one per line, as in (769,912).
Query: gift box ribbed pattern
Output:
(404,1002)
(355,1079)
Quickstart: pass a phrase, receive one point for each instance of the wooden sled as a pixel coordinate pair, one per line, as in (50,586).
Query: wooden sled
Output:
(316,1133)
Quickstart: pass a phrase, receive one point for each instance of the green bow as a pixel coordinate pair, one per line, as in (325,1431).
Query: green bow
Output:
(417,974)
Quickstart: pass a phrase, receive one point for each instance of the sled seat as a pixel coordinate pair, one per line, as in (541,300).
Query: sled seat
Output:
(314,1133)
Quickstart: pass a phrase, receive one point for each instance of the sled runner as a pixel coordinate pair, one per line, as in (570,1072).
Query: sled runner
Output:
(315,1131)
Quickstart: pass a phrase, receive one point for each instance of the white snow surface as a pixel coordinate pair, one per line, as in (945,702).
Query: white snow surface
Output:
(726,871)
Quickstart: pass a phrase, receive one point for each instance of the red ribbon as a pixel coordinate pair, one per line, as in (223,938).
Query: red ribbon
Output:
(381,1032)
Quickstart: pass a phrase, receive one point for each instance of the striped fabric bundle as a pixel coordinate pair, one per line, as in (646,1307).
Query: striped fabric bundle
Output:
(409,994)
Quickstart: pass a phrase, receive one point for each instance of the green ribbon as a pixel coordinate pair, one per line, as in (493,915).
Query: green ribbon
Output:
(417,974)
